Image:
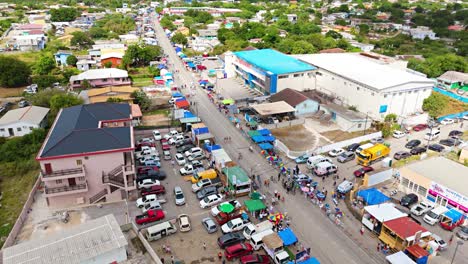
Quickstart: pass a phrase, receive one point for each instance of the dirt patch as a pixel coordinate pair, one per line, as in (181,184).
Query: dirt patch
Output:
(155,120)
(296,138)
(11,92)
(340,135)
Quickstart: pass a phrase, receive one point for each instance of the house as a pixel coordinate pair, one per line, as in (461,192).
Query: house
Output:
(421,33)
(292,18)
(84,65)
(183,30)
(382,16)
(101,78)
(19,122)
(87,156)
(207,33)
(101,95)
(300,102)
(61,57)
(115,59)
(453,80)
(456,27)
(28,42)
(136,114)
(363,46)
(128,38)
(96,241)
(348,120)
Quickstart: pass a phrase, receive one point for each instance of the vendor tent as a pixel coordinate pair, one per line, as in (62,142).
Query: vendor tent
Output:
(373,196)
(182,103)
(269,138)
(258,139)
(264,132)
(265,146)
(178,49)
(454,215)
(210,148)
(287,236)
(188,114)
(203,81)
(273,241)
(399,258)
(177,94)
(253,133)
(228,101)
(311,260)
(191,65)
(254,205)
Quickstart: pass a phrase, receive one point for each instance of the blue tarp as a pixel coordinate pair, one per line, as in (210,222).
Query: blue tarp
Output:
(265,146)
(181,99)
(264,132)
(188,114)
(269,138)
(210,148)
(161,66)
(177,94)
(454,214)
(258,139)
(287,236)
(312,260)
(373,196)
(203,81)
(178,49)
(190,64)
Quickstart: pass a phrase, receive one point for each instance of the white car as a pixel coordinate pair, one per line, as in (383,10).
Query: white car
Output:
(234,225)
(180,159)
(179,196)
(184,223)
(421,208)
(398,134)
(193,151)
(147,183)
(335,152)
(211,200)
(447,121)
(196,156)
(215,210)
(176,139)
(171,134)
(442,244)
(186,170)
(141,202)
(146,140)
(465,117)
(157,135)
(345,187)
(148,157)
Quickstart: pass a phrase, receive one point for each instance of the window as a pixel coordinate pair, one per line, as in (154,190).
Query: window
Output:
(344,83)
(86,158)
(81,178)
(359,125)
(385,96)
(298,74)
(283,77)
(422,190)
(18,129)
(104,80)
(358,88)
(31,128)
(400,93)
(405,182)
(58,181)
(116,79)
(2,129)
(319,73)
(333,78)
(372,94)
(79,162)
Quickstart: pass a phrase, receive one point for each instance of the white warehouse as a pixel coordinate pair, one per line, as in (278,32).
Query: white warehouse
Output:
(374,84)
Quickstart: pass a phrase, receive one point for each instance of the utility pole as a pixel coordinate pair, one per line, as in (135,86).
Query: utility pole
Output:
(365,124)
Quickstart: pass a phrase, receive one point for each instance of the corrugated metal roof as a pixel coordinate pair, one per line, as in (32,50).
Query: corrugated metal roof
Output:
(30,114)
(74,245)
(100,74)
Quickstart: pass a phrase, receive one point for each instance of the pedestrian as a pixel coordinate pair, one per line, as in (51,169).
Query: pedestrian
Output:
(259,179)
(162,260)
(451,239)
(279,176)
(229,139)
(204,246)
(279,196)
(323,178)
(172,163)
(297,169)
(361,230)
(334,183)
(172,259)
(220,255)
(378,246)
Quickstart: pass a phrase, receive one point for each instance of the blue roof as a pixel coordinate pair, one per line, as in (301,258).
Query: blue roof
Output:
(273,61)
(287,236)
(373,196)
(311,260)
(454,214)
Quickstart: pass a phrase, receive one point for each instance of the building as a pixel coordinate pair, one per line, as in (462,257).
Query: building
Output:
(97,241)
(363,46)
(292,18)
(379,86)
(402,232)
(453,80)
(207,33)
(214,11)
(85,65)
(28,42)
(101,78)
(270,71)
(300,102)
(101,95)
(425,179)
(87,156)
(115,59)
(19,122)
(347,119)
(61,57)
(422,33)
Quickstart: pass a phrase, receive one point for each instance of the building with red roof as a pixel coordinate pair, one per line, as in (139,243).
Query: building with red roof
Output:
(402,232)
(182,104)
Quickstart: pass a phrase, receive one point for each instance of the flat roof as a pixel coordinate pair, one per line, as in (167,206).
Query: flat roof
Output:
(370,72)
(345,112)
(454,175)
(74,245)
(280,107)
(273,61)
(384,212)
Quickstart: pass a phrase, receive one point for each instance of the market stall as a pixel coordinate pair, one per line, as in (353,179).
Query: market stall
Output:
(374,215)
(287,236)
(372,196)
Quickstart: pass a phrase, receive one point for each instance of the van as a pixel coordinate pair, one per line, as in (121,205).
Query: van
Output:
(257,239)
(160,230)
(363,147)
(433,134)
(207,174)
(325,168)
(433,216)
(314,160)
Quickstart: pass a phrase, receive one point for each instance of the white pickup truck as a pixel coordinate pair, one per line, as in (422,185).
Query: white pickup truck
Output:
(204,183)
(421,208)
(147,151)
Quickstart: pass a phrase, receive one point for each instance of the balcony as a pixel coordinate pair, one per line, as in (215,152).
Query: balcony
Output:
(66,190)
(63,174)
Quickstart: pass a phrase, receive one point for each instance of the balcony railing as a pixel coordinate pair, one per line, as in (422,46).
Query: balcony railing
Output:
(74,172)
(66,189)
(98,196)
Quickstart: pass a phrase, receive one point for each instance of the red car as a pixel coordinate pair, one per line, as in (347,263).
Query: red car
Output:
(156,189)
(201,67)
(144,169)
(238,250)
(148,144)
(360,172)
(149,217)
(165,145)
(255,259)
(419,127)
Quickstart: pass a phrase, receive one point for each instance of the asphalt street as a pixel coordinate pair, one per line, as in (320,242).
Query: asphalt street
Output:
(328,243)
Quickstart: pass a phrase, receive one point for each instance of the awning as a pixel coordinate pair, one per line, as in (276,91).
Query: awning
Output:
(254,205)
(269,138)
(203,81)
(287,236)
(190,64)
(204,136)
(228,101)
(182,104)
(399,258)
(265,146)
(311,260)
(188,114)
(373,196)
(210,148)
(280,107)
(177,94)
(258,139)
(253,133)
(190,120)
(264,132)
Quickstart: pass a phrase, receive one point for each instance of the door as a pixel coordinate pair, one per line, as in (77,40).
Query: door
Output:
(163,233)
(48,168)
(10,131)
(71,182)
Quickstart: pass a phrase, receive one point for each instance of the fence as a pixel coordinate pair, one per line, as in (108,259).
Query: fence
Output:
(147,246)
(10,241)
(294,122)
(294,154)
(458,115)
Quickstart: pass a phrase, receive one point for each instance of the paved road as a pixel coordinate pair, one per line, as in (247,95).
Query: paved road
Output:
(328,243)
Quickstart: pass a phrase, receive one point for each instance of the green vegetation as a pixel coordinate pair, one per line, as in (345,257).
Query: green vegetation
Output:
(439,105)
(72,60)
(45,64)
(438,65)
(140,98)
(111,26)
(179,38)
(63,14)
(13,72)
(81,39)
(140,55)
(55,100)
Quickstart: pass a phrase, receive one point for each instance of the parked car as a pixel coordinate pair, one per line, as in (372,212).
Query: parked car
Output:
(23,103)
(155,205)
(255,259)
(141,202)
(442,244)
(345,187)
(156,189)
(436,147)
(233,225)
(302,159)
(352,147)
(196,156)
(209,225)
(377,140)
(449,142)
(152,174)
(401,155)
(417,150)
(463,232)
(302,178)
(207,191)
(184,223)
(180,159)
(186,170)
(149,217)
(167,155)
(192,151)
(447,121)
(216,209)
(455,133)
(398,134)
(421,208)
(145,140)
(148,158)
(165,145)
(144,169)
(157,135)
(147,183)
(186,141)
(335,152)
(211,200)
(420,127)
(184,148)
(171,134)
(413,143)
(152,163)
(361,171)
(238,250)
(204,183)
(179,196)
(196,164)
(227,240)
(346,156)
(409,200)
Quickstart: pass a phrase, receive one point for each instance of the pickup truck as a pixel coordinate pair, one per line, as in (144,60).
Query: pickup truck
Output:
(204,183)
(421,208)
(147,151)
(223,218)
(233,225)
(186,170)
(149,217)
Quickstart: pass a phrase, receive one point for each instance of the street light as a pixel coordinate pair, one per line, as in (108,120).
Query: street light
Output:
(459,243)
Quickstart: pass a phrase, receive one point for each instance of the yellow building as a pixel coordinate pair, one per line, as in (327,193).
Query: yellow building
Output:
(184,30)
(403,232)
(103,94)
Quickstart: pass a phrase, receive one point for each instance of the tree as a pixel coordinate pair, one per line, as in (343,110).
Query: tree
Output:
(179,38)
(140,55)
(72,60)
(108,64)
(437,65)
(364,29)
(63,100)
(81,40)
(341,22)
(333,34)
(44,65)
(434,104)
(63,14)
(140,98)
(391,118)
(44,81)
(13,72)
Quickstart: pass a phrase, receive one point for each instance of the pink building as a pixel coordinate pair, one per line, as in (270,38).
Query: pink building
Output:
(87,156)
(101,78)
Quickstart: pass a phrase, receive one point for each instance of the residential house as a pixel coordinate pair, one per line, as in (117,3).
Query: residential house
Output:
(363,46)
(28,42)
(292,18)
(101,95)
(296,99)
(128,38)
(214,11)
(401,232)
(207,33)
(453,80)
(382,16)
(115,59)
(96,241)
(85,65)
(61,57)
(136,114)
(283,33)
(203,44)
(87,156)
(19,122)
(183,30)
(101,78)
(421,33)
(456,27)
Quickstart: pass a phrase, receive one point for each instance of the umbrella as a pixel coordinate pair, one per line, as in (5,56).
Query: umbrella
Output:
(228,101)
(226,208)
(305,189)
(255,196)
(276,217)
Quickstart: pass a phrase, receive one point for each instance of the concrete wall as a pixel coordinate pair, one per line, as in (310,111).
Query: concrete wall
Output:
(26,128)
(376,178)
(114,256)
(298,81)
(307,107)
